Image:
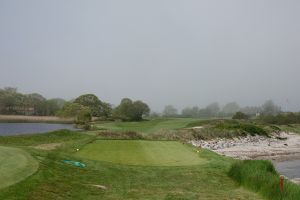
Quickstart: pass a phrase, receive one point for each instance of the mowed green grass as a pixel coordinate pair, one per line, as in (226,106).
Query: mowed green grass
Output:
(57,180)
(149,126)
(141,152)
(15,165)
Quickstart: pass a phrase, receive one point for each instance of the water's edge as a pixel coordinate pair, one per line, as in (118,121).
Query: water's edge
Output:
(7,129)
(290,169)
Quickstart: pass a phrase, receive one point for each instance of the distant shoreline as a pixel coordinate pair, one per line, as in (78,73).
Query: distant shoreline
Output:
(34,119)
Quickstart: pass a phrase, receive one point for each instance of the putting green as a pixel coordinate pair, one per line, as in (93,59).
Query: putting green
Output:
(15,165)
(140,152)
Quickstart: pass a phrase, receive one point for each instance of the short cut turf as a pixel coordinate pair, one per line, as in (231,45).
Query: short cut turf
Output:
(15,165)
(141,152)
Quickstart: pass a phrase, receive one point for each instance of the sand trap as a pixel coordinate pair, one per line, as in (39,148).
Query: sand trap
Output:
(50,146)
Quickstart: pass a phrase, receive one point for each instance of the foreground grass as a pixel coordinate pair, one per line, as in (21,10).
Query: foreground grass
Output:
(56,180)
(15,165)
(261,176)
(141,152)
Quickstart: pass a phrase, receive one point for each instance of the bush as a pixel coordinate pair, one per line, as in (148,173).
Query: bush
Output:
(130,135)
(248,128)
(261,176)
(281,119)
(240,115)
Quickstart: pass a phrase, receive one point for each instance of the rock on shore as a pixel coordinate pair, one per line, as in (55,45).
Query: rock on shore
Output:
(279,146)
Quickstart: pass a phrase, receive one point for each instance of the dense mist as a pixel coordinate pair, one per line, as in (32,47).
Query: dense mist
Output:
(170,52)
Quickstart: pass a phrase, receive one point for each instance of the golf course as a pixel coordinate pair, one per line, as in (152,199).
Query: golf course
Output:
(139,152)
(15,165)
(45,166)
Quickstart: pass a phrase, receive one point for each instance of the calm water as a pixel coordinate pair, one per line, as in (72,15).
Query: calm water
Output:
(290,169)
(27,128)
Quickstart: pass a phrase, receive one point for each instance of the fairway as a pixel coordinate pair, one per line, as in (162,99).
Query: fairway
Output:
(15,165)
(140,152)
(149,126)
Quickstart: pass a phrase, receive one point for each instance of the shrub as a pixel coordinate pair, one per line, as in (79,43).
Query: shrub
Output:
(248,128)
(131,135)
(240,115)
(281,119)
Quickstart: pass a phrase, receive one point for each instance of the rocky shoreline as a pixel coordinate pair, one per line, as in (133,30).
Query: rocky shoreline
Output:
(277,148)
(280,146)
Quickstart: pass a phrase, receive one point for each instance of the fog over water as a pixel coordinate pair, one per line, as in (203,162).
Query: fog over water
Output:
(176,52)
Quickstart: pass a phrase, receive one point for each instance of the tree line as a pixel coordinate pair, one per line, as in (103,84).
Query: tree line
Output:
(14,103)
(86,106)
(82,108)
(215,110)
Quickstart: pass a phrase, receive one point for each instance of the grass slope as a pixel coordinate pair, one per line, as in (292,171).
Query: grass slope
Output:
(261,177)
(140,152)
(147,126)
(15,165)
(56,180)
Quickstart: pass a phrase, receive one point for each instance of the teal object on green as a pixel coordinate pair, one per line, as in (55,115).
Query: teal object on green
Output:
(75,163)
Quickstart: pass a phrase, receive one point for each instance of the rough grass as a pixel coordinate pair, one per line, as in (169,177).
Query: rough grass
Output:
(182,129)
(149,126)
(294,128)
(15,165)
(224,128)
(45,138)
(261,176)
(141,152)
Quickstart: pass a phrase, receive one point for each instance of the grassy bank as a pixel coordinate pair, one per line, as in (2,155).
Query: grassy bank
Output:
(54,179)
(182,129)
(33,119)
(261,177)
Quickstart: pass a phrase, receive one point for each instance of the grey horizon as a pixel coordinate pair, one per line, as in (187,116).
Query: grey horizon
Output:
(183,53)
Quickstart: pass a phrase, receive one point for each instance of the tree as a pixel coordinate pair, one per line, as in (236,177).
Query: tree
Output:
(230,108)
(13,102)
(213,109)
(123,110)
(190,112)
(131,111)
(154,115)
(269,108)
(170,111)
(38,102)
(53,106)
(82,114)
(97,107)
(139,109)
(251,111)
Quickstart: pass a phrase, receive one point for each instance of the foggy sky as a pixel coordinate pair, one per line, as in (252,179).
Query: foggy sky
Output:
(180,52)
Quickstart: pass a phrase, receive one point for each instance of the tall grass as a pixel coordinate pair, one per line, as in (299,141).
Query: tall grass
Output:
(224,128)
(260,176)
